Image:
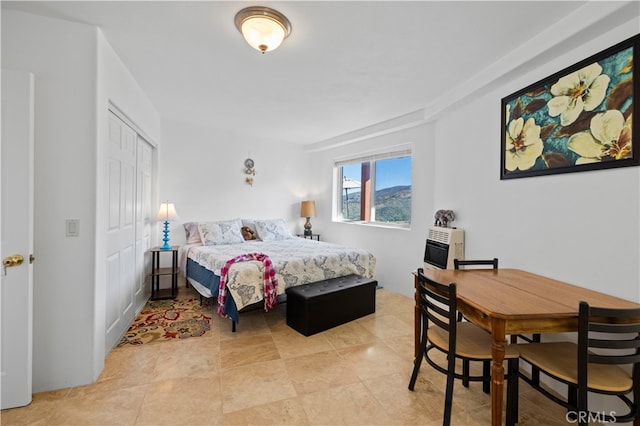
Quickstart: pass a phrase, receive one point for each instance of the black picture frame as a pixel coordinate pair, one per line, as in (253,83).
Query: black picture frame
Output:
(581,118)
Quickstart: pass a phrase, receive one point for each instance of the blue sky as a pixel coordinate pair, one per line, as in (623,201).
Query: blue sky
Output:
(389,173)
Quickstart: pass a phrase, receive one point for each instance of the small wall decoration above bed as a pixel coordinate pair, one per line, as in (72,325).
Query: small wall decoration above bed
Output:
(581,118)
(249,170)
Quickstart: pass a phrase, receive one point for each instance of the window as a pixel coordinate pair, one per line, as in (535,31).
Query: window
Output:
(375,189)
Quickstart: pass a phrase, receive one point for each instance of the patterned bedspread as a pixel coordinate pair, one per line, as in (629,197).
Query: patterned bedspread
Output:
(297,261)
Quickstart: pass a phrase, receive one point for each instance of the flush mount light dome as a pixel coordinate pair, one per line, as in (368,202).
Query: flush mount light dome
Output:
(263,28)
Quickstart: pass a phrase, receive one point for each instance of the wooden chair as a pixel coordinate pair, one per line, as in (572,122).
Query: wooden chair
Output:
(486,366)
(459,341)
(494,263)
(608,341)
(457,263)
(534,338)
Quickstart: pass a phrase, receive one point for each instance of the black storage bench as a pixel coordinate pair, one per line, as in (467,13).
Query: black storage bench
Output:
(318,306)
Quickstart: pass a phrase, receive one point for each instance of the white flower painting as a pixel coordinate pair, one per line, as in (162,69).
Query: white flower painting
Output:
(577,119)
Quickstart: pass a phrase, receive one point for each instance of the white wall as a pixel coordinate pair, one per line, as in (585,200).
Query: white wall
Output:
(398,251)
(578,227)
(581,227)
(201,170)
(62,57)
(72,93)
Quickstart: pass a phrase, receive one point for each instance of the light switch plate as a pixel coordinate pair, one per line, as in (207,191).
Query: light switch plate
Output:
(72,227)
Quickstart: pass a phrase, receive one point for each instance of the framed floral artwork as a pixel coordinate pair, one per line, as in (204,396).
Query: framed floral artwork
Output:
(581,118)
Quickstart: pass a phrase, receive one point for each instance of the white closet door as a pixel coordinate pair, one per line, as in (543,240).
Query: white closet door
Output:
(143,221)
(121,237)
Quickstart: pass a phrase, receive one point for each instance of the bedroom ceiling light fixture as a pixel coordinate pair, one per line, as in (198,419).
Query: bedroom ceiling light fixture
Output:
(262,27)
(166,213)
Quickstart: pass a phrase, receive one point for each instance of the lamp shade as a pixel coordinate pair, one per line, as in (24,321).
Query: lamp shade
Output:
(308,209)
(263,28)
(167,212)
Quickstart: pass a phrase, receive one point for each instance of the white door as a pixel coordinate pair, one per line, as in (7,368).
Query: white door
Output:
(131,164)
(144,209)
(121,251)
(16,232)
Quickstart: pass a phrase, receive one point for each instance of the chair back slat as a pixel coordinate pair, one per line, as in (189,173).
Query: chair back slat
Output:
(596,311)
(469,262)
(436,311)
(614,359)
(432,294)
(613,328)
(439,304)
(437,320)
(615,344)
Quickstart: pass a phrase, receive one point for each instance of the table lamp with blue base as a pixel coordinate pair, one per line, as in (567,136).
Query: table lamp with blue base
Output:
(166,213)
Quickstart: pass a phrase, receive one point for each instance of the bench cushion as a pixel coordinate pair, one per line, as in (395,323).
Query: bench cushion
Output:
(318,306)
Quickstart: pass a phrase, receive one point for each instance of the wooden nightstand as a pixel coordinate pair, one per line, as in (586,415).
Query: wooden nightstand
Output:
(169,273)
(310,237)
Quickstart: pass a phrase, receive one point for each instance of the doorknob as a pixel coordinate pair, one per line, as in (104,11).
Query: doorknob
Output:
(13,260)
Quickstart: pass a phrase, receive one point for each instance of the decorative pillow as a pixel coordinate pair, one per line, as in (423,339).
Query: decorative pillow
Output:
(272,230)
(251,224)
(224,232)
(247,233)
(193,235)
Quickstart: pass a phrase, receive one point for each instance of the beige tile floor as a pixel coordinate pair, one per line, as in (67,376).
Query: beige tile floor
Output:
(267,373)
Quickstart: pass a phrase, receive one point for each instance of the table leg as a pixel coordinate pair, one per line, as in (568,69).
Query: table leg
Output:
(497,370)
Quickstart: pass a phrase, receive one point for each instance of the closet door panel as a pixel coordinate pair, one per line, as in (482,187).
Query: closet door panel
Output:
(121,233)
(113,290)
(143,220)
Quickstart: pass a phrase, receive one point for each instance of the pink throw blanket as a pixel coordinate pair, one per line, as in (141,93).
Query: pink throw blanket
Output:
(268,275)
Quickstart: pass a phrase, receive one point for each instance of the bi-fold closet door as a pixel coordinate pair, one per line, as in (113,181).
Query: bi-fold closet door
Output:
(130,183)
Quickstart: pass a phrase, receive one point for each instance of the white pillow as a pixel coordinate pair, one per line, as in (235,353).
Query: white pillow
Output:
(223,232)
(273,230)
(193,234)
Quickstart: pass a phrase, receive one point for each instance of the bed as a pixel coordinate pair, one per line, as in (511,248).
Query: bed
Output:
(296,261)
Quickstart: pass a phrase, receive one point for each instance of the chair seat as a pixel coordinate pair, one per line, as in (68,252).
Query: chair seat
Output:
(559,360)
(471,342)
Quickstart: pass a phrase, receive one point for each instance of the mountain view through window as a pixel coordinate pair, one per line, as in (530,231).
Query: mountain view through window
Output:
(377,191)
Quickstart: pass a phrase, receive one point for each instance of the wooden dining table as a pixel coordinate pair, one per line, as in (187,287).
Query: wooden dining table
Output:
(513,301)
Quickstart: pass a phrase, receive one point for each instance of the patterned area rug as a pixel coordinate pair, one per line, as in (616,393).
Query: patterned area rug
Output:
(163,320)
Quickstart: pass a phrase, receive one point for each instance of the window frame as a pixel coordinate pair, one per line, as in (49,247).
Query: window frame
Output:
(370,213)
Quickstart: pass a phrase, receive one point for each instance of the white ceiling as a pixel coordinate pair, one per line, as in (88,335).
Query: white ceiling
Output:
(345,66)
